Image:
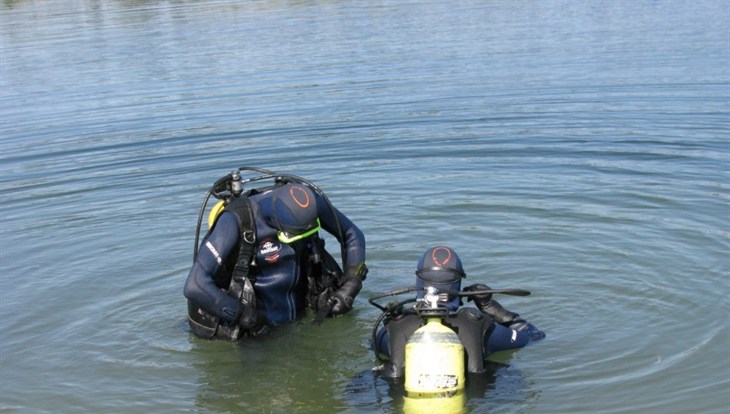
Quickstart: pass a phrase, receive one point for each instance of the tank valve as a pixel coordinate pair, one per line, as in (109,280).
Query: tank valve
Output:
(236,185)
(431,297)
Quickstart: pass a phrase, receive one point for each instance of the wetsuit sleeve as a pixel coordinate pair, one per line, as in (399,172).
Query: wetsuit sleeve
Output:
(503,338)
(522,325)
(200,286)
(351,236)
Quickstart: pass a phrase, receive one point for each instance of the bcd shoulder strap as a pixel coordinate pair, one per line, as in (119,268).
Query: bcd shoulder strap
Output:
(473,327)
(242,281)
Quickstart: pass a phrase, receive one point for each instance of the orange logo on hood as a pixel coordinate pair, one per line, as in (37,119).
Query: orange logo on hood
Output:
(300,196)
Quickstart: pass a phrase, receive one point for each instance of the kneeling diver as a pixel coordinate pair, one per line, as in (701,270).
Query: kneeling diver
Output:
(482,331)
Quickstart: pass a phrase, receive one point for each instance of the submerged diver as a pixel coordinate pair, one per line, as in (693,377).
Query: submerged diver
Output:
(482,331)
(263,263)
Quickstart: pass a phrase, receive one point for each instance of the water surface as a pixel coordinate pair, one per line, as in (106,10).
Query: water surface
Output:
(575,149)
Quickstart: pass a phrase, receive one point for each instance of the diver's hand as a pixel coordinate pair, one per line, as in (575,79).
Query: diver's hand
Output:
(341,300)
(500,315)
(491,307)
(479,300)
(230,314)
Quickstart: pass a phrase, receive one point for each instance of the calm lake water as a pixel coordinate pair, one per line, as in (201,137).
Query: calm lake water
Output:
(577,149)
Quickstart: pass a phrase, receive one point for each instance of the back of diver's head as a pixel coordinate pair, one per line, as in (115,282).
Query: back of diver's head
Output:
(440,267)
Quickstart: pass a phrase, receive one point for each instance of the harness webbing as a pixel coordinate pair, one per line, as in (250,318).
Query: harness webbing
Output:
(242,281)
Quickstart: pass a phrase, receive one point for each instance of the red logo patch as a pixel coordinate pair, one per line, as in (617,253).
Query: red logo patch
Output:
(270,250)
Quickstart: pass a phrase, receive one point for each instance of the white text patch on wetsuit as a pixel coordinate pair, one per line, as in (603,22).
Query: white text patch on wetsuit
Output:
(212,249)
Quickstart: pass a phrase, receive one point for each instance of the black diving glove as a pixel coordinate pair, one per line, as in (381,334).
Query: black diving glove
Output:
(248,317)
(479,300)
(500,315)
(341,300)
(491,307)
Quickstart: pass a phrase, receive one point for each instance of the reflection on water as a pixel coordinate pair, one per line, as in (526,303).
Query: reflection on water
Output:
(500,384)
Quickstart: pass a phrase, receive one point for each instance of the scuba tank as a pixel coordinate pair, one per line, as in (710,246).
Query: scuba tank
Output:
(434,359)
(434,365)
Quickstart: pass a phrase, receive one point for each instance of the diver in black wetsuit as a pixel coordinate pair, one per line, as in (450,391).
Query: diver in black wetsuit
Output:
(483,331)
(262,262)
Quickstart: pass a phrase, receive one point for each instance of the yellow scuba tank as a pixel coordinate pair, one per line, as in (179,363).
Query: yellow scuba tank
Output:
(434,360)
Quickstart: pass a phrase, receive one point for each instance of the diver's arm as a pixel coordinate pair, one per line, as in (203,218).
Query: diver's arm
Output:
(510,319)
(500,315)
(353,254)
(215,249)
(521,325)
(503,338)
(352,238)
